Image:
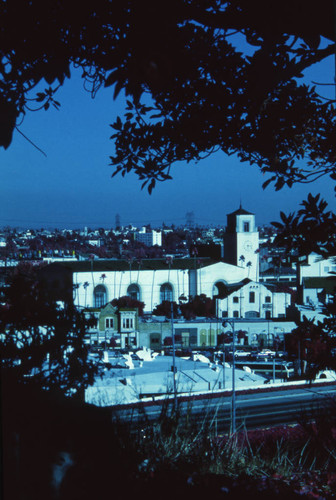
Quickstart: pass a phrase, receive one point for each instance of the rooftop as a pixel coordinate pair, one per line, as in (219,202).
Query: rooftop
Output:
(122,385)
(101,265)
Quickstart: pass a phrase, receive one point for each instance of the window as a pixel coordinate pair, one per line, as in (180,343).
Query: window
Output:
(127,323)
(133,291)
(246,227)
(251,297)
(166,292)
(268,299)
(235,300)
(268,315)
(109,323)
(236,314)
(99,296)
(224,314)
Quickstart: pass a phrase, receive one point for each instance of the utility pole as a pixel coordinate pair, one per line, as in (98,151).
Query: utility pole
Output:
(233,379)
(173,341)
(233,404)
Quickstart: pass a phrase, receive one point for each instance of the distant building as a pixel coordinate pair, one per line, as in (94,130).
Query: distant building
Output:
(149,238)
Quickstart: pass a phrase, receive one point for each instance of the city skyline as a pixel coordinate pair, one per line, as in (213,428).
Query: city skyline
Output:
(69,184)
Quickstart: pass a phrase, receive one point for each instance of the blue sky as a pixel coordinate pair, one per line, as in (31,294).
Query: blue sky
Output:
(72,186)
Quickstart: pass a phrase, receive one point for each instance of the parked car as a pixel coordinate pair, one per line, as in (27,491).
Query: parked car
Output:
(266,353)
(241,354)
(281,354)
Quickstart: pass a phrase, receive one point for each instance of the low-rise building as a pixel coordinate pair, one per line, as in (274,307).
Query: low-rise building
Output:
(123,328)
(249,299)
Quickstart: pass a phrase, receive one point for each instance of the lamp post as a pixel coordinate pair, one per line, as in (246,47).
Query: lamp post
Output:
(223,366)
(173,342)
(233,407)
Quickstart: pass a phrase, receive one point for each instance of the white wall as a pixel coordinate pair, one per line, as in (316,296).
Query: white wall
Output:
(317,267)
(277,305)
(208,276)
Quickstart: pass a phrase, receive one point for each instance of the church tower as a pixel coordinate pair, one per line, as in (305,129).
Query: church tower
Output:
(241,242)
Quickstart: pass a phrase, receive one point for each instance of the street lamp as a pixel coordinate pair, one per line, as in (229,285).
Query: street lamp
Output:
(181,298)
(173,341)
(233,410)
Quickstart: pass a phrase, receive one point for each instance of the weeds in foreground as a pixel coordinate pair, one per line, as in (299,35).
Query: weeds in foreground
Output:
(283,456)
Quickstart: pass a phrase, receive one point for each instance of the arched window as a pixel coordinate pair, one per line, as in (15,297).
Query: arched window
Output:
(166,292)
(100,296)
(133,291)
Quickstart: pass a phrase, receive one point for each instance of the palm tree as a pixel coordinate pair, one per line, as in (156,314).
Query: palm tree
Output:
(249,265)
(242,259)
(169,261)
(85,285)
(139,266)
(75,287)
(130,261)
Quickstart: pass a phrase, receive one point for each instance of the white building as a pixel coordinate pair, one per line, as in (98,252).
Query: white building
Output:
(317,267)
(250,299)
(149,238)
(150,280)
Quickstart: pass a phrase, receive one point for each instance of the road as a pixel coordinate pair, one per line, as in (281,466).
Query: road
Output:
(255,410)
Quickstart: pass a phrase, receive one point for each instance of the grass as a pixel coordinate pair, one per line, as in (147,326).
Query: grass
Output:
(289,460)
(170,458)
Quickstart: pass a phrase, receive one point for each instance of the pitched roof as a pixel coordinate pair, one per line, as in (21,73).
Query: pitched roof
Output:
(233,287)
(241,211)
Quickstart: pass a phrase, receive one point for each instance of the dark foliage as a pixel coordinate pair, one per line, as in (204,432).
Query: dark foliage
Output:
(127,301)
(42,341)
(312,343)
(200,305)
(181,57)
(165,309)
(311,229)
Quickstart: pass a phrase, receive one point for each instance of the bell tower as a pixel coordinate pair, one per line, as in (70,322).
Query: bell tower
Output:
(241,242)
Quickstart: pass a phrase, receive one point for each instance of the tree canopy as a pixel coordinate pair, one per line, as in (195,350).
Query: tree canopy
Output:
(199,76)
(42,341)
